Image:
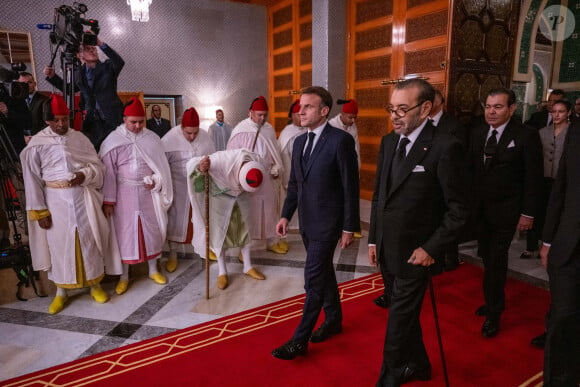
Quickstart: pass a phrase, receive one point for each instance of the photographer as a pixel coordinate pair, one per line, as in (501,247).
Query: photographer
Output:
(34,102)
(97,83)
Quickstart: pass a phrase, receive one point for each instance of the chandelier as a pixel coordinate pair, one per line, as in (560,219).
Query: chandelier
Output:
(139,9)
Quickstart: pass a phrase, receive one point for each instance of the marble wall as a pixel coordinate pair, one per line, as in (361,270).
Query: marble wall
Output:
(211,52)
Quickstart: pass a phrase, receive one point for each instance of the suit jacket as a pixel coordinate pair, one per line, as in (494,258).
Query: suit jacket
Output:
(36,111)
(538,120)
(510,185)
(161,129)
(104,90)
(562,225)
(454,127)
(426,205)
(326,191)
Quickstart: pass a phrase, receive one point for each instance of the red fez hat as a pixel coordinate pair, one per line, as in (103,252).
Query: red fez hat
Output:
(251,176)
(190,118)
(259,104)
(54,106)
(296,106)
(349,106)
(134,108)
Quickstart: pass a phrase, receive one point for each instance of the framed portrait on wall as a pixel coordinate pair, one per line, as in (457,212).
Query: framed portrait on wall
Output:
(166,104)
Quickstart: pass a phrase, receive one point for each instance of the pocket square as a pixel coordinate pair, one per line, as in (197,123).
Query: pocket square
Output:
(419,168)
(511,144)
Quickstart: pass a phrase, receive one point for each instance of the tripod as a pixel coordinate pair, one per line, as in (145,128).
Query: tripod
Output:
(13,210)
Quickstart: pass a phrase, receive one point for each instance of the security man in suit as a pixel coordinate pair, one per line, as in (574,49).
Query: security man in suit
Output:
(324,187)
(560,253)
(35,102)
(418,207)
(506,166)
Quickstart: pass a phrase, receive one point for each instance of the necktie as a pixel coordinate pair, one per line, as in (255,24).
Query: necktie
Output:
(490,148)
(400,155)
(28,100)
(308,151)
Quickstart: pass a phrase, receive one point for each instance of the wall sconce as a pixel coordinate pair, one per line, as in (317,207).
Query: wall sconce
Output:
(139,9)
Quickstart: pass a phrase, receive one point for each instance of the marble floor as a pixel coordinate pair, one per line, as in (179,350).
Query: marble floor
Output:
(31,339)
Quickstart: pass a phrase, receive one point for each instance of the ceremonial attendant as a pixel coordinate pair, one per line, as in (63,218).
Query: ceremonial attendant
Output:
(138,192)
(181,144)
(69,235)
(234,176)
(258,136)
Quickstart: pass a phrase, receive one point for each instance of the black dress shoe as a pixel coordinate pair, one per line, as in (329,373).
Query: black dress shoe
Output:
(410,374)
(539,341)
(290,350)
(481,311)
(382,301)
(490,328)
(325,331)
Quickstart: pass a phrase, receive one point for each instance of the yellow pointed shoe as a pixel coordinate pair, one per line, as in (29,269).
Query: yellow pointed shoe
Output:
(222,281)
(99,295)
(171,264)
(57,304)
(275,248)
(357,235)
(283,244)
(212,256)
(255,274)
(122,286)
(158,278)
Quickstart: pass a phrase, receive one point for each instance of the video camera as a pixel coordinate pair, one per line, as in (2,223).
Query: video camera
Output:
(9,88)
(68,27)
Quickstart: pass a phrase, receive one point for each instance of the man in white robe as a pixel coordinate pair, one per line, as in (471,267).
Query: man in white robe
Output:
(234,177)
(346,120)
(68,233)
(137,192)
(220,131)
(181,144)
(286,141)
(258,136)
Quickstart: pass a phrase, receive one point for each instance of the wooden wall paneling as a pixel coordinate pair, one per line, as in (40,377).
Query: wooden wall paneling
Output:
(388,40)
(289,54)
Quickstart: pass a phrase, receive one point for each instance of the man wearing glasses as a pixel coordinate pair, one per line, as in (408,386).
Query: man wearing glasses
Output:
(506,165)
(419,206)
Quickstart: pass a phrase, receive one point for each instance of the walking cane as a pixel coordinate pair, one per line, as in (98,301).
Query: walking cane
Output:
(207,235)
(441,352)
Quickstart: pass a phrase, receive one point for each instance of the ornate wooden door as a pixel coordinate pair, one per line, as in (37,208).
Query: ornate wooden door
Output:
(388,40)
(290,56)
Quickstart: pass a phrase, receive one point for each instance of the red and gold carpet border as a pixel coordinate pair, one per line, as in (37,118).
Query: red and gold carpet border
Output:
(109,364)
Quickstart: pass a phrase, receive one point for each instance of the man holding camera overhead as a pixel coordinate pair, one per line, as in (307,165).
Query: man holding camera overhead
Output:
(97,83)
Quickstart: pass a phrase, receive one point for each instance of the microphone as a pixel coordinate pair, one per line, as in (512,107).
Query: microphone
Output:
(44,26)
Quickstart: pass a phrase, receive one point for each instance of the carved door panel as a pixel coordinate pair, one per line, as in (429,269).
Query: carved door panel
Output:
(290,56)
(481,51)
(388,40)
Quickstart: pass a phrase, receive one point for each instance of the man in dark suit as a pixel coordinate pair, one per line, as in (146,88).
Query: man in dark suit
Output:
(35,102)
(418,208)
(97,83)
(560,253)
(542,118)
(324,187)
(157,123)
(506,166)
(445,121)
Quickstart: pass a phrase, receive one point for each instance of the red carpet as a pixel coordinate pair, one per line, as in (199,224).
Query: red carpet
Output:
(235,351)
